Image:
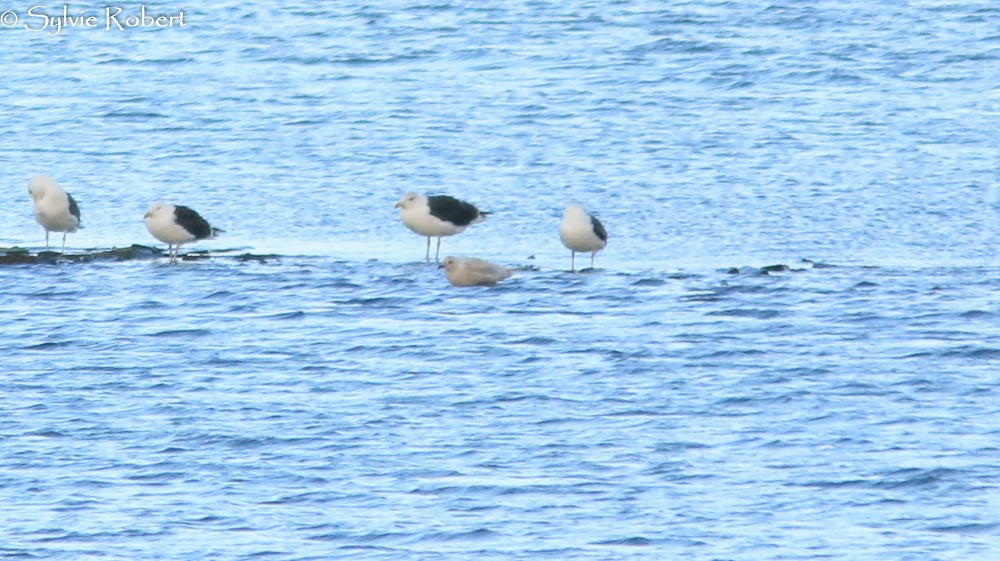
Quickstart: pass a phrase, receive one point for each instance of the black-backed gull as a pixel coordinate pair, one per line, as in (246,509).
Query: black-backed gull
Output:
(55,209)
(437,216)
(176,225)
(580,231)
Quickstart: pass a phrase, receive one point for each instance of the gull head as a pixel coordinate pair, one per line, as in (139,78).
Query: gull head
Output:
(154,209)
(573,210)
(449,264)
(408,199)
(40,185)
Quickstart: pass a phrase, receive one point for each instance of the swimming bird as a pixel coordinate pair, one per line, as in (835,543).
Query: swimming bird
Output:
(580,231)
(55,209)
(176,225)
(470,271)
(437,216)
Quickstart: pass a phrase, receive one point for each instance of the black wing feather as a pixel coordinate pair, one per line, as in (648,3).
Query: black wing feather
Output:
(73,208)
(599,229)
(192,222)
(450,209)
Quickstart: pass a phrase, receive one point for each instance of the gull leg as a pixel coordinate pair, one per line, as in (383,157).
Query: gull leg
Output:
(64,243)
(427,256)
(46,240)
(437,253)
(592,254)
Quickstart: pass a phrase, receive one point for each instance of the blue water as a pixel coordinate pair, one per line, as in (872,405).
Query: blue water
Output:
(341,401)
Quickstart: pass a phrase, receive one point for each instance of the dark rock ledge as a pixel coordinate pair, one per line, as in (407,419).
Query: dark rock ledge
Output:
(135,252)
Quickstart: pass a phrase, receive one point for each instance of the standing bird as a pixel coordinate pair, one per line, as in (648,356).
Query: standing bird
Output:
(55,209)
(437,216)
(470,271)
(580,231)
(176,225)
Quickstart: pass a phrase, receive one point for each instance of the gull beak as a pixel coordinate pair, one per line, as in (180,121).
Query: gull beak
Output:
(440,266)
(398,205)
(147,215)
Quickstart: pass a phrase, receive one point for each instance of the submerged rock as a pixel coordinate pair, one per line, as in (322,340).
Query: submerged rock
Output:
(762,271)
(134,252)
(255,257)
(221,254)
(21,256)
(16,256)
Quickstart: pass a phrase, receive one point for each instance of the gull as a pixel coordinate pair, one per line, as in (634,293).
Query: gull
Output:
(470,271)
(437,216)
(55,209)
(176,225)
(580,231)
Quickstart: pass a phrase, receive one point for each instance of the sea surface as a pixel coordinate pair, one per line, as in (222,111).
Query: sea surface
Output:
(789,350)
